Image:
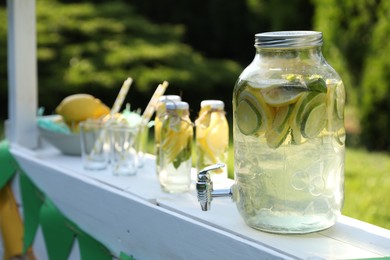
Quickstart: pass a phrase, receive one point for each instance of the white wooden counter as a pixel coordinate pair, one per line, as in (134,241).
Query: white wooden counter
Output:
(132,214)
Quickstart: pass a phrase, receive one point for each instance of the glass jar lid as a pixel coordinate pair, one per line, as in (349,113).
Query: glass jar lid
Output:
(214,104)
(169,98)
(288,39)
(179,105)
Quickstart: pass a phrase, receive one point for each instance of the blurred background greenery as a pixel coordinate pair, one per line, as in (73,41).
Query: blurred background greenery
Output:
(201,46)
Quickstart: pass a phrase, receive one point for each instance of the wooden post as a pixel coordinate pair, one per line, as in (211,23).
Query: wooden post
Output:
(22,73)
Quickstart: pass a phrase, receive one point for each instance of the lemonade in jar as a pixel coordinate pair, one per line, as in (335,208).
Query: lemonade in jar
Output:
(212,139)
(175,160)
(289,136)
(160,114)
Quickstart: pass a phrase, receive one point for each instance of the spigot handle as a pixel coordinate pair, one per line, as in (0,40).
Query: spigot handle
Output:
(204,186)
(212,167)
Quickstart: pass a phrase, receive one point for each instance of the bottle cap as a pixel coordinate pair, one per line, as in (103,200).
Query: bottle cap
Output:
(215,104)
(179,105)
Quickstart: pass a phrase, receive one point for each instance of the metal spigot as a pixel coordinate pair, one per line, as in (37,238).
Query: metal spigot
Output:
(204,187)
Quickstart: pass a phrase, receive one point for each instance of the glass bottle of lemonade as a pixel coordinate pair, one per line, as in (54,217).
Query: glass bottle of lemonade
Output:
(289,136)
(160,113)
(212,139)
(174,164)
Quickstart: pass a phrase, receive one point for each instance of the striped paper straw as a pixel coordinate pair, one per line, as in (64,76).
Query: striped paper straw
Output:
(115,109)
(151,107)
(121,96)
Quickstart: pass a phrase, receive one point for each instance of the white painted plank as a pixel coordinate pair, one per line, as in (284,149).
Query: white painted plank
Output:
(140,194)
(361,234)
(127,223)
(22,73)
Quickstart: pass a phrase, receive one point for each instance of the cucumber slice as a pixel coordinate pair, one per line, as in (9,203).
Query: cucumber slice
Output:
(280,127)
(301,111)
(314,121)
(312,100)
(248,118)
(253,115)
(296,136)
(295,118)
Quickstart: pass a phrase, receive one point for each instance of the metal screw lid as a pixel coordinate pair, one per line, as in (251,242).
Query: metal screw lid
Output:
(288,39)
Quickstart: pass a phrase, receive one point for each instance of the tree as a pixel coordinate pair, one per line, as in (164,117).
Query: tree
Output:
(357,38)
(376,84)
(92,47)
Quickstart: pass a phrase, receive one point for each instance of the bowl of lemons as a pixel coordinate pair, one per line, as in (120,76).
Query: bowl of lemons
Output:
(61,130)
(53,130)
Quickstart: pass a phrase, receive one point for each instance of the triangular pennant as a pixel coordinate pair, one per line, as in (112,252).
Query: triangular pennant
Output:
(32,199)
(7,163)
(11,225)
(58,236)
(123,256)
(90,248)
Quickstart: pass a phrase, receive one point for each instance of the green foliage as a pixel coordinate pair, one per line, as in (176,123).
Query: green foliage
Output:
(283,15)
(3,60)
(347,29)
(93,48)
(376,84)
(356,34)
(224,29)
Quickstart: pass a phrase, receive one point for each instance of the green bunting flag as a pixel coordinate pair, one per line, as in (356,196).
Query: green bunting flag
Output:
(57,233)
(8,164)
(32,201)
(123,256)
(91,248)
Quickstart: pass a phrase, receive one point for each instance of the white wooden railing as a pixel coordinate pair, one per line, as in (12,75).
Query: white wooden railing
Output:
(131,214)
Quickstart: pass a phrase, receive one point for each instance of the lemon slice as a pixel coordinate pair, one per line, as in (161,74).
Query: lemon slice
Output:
(173,142)
(315,121)
(281,117)
(217,137)
(280,127)
(213,140)
(282,95)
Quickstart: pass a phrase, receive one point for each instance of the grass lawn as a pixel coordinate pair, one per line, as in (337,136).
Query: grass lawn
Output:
(367,186)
